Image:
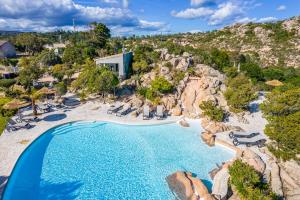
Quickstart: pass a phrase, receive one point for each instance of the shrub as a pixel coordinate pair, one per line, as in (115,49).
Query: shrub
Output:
(3,122)
(162,85)
(6,83)
(282,109)
(220,59)
(231,72)
(252,70)
(248,182)
(212,111)
(61,88)
(240,93)
(178,76)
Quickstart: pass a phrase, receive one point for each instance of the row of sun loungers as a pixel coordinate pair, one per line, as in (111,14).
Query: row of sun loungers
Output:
(244,139)
(159,112)
(13,125)
(122,110)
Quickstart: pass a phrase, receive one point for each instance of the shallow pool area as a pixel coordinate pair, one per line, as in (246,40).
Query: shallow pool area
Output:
(102,160)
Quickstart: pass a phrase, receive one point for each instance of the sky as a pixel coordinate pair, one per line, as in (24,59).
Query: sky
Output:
(140,17)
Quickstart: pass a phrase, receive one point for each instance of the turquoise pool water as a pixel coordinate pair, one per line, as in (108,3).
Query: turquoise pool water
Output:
(110,161)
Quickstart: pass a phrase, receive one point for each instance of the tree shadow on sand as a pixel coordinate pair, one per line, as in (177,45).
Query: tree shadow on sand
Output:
(54,117)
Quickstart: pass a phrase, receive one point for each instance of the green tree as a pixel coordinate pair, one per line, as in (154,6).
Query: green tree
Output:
(214,112)
(252,70)
(106,82)
(72,55)
(282,109)
(31,42)
(240,92)
(220,59)
(99,34)
(29,73)
(248,182)
(162,85)
(140,66)
(47,58)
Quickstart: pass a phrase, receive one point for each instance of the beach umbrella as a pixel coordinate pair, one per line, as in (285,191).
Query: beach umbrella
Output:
(46,91)
(16,104)
(274,83)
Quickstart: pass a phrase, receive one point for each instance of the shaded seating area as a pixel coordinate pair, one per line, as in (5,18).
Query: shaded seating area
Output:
(114,108)
(124,111)
(159,112)
(14,126)
(146,112)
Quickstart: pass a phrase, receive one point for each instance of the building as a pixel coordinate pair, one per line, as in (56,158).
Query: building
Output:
(7,72)
(121,64)
(56,47)
(7,50)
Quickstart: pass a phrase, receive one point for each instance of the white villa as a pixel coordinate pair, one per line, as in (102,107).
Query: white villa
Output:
(121,64)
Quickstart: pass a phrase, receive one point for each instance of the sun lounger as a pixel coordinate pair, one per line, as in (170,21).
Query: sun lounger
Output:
(13,126)
(237,135)
(126,109)
(114,109)
(260,143)
(25,118)
(146,112)
(159,112)
(43,108)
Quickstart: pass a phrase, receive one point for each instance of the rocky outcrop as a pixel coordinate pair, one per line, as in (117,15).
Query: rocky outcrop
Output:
(289,174)
(206,86)
(176,111)
(220,184)
(254,160)
(187,187)
(214,127)
(275,181)
(209,138)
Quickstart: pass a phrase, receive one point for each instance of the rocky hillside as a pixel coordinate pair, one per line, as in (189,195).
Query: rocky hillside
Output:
(273,43)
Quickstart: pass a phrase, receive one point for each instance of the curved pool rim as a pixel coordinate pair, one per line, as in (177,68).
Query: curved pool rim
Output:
(87,121)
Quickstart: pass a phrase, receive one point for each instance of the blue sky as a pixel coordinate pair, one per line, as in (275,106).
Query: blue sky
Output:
(127,17)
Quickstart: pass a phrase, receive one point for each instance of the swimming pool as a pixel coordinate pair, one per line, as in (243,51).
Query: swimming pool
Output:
(99,160)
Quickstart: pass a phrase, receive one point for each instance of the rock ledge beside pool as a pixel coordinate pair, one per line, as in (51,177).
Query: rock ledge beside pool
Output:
(187,187)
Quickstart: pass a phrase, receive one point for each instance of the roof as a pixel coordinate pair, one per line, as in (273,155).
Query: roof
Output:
(2,42)
(113,56)
(274,83)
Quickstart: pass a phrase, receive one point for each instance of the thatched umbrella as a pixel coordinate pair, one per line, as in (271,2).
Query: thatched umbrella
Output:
(16,104)
(274,83)
(46,91)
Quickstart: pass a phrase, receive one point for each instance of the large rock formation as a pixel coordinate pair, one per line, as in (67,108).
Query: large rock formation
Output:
(187,187)
(206,86)
(253,160)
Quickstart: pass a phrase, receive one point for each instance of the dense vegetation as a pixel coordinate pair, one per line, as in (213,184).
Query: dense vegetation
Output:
(282,109)
(214,112)
(239,93)
(248,182)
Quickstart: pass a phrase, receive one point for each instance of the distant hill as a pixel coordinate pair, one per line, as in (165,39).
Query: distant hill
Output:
(9,33)
(270,44)
(275,44)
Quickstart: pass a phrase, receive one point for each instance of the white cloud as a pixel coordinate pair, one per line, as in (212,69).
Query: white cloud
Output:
(193,13)
(225,12)
(281,8)
(245,20)
(109,1)
(45,15)
(125,3)
(199,2)
(267,19)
